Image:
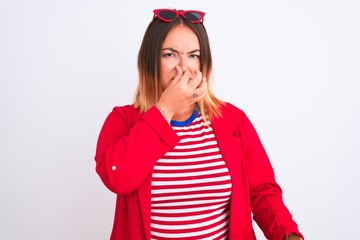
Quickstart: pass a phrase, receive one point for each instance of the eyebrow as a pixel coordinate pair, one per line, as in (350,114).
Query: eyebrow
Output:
(174,50)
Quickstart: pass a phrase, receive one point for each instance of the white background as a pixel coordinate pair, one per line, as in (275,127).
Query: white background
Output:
(293,66)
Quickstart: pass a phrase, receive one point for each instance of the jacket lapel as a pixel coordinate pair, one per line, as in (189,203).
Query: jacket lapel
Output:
(225,130)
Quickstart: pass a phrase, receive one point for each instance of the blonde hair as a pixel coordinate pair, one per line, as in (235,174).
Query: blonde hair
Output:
(149,89)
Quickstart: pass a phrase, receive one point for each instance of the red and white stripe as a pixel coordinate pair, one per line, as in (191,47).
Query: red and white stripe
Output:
(191,188)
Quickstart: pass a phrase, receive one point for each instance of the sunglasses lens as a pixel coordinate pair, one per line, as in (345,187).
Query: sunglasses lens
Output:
(193,16)
(168,15)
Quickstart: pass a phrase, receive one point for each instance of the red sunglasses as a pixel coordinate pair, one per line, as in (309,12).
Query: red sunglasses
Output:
(168,15)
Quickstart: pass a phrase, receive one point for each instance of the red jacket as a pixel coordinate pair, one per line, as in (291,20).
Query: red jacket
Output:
(130,143)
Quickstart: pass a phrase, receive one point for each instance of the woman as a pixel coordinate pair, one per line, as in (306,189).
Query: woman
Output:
(183,163)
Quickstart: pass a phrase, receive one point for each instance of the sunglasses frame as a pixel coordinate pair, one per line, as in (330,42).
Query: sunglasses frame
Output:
(178,13)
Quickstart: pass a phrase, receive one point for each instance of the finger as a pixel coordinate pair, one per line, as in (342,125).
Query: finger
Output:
(196,82)
(199,76)
(202,83)
(194,73)
(200,92)
(178,75)
(185,78)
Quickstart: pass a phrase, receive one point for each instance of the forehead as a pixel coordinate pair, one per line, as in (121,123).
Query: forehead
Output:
(181,37)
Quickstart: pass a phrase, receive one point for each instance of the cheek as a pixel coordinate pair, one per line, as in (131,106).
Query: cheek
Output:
(168,64)
(194,64)
(167,70)
(198,65)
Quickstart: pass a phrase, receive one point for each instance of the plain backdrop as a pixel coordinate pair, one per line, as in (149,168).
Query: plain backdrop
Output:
(292,66)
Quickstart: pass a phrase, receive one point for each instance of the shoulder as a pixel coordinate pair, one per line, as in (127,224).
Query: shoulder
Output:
(126,109)
(228,110)
(231,118)
(127,113)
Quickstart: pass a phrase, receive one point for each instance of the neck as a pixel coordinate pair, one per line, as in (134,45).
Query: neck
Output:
(184,113)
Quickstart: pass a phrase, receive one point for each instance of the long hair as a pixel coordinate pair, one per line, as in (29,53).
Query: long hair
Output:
(149,88)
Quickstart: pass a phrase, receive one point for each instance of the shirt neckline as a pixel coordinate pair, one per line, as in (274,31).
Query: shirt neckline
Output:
(187,121)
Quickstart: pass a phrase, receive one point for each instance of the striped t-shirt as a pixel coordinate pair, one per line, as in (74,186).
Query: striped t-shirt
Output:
(191,186)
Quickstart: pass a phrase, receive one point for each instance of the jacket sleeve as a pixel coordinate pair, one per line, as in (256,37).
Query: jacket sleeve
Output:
(128,146)
(269,210)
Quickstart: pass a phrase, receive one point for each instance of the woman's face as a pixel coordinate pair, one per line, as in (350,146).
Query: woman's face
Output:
(180,48)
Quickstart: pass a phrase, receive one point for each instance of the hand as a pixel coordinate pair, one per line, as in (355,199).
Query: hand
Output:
(185,89)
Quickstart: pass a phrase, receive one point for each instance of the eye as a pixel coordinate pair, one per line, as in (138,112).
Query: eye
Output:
(168,54)
(194,56)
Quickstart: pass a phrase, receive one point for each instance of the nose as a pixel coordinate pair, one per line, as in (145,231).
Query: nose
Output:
(183,63)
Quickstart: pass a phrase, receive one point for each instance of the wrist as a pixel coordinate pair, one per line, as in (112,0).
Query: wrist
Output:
(163,111)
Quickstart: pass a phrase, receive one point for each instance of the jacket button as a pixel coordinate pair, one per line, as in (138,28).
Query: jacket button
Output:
(113,168)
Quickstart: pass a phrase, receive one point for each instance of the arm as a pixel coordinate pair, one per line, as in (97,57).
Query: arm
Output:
(269,210)
(129,145)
